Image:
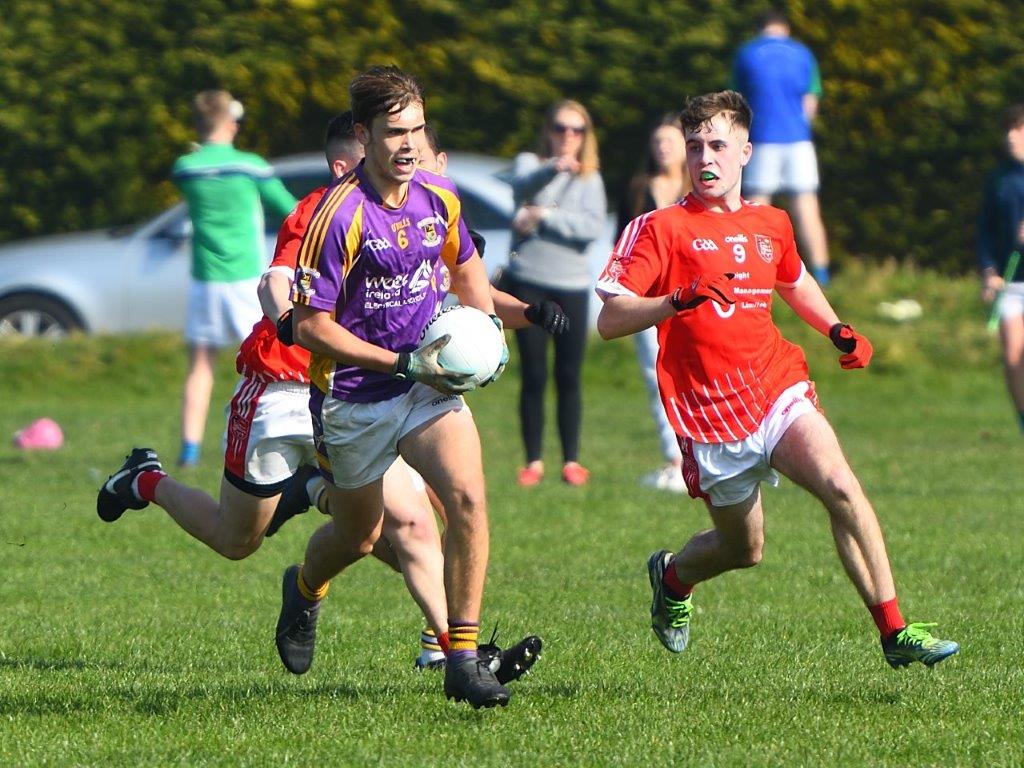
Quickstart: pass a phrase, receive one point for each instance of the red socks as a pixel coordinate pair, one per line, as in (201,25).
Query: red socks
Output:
(146,482)
(673,586)
(887,617)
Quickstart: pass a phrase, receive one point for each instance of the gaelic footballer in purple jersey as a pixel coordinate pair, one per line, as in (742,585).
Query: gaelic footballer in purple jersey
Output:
(376,268)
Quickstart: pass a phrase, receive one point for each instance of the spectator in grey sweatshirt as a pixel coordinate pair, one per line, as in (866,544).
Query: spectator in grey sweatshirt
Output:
(560,210)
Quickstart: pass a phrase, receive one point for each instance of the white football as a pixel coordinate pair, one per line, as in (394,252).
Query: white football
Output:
(476,343)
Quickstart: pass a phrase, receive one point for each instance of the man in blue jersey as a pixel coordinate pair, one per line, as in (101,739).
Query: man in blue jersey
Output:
(365,288)
(1000,234)
(779,77)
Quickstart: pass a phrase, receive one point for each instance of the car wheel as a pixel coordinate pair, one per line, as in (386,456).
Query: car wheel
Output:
(28,315)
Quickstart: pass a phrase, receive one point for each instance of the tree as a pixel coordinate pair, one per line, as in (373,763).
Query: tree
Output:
(97,94)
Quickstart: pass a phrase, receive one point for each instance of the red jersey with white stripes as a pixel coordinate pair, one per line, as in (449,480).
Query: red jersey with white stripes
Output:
(261,356)
(719,368)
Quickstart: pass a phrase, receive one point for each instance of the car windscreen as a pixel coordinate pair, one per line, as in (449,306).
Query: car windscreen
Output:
(299,185)
(479,213)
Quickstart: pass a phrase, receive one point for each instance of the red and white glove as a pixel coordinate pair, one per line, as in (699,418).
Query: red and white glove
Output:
(702,289)
(856,349)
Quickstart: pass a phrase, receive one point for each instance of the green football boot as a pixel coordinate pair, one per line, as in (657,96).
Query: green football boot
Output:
(915,643)
(670,619)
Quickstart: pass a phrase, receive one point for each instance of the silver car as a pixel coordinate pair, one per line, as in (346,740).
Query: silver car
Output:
(136,279)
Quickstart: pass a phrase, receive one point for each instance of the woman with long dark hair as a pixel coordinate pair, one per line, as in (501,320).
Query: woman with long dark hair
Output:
(661,181)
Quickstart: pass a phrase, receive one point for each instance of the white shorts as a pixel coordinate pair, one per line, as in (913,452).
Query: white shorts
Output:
(221,314)
(786,168)
(357,442)
(727,473)
(269,435)
(1011,301)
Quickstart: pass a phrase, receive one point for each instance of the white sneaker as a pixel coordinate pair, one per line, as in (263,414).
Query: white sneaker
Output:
(430,659)
(668,478)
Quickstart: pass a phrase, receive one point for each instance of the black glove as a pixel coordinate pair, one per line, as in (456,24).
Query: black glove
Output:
(478,241)
(856,349)
(284,329)
(549,316)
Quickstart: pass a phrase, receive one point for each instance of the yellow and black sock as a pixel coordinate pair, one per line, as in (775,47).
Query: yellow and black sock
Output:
(313,595)
(428,640)
(462,637)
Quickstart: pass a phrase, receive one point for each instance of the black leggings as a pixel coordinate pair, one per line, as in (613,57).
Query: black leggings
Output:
(569,348)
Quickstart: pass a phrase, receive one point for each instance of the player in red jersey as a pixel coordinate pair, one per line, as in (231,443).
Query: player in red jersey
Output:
(738,394)
(268,434)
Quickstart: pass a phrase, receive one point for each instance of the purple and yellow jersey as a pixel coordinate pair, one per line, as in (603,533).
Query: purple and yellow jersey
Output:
(377,270)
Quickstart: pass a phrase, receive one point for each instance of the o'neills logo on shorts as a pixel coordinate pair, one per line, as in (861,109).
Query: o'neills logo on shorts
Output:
(443,400)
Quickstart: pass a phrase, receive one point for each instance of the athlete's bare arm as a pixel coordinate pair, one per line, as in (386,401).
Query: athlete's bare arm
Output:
(317,331)
(274,292)
(622,315)
(470,284)
(809,303)
(510,310)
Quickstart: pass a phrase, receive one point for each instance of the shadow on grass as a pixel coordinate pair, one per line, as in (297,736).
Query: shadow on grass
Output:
(160,701)
(877,696)
(548,690)
(845,694)
(163,701)
(55,665)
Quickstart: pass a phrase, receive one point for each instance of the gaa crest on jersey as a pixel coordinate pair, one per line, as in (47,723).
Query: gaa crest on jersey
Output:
(304,281)
(428,228)
(765,247)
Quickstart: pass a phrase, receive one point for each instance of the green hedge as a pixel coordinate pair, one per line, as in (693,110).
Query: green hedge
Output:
(96,94)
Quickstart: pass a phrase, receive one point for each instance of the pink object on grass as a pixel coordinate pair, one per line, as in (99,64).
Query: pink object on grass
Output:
(41,434)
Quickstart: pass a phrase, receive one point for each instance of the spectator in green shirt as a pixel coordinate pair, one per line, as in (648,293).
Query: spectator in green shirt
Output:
(225,190)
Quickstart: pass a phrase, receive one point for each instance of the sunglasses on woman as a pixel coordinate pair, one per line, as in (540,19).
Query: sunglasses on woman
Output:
(562,128)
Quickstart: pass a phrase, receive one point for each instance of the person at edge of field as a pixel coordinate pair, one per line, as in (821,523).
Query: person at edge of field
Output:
(661,181)
(365,288)
(737,393)
(545,314)
(560,210)
(223,187)
(1001,233)
(780,78)
(269,449)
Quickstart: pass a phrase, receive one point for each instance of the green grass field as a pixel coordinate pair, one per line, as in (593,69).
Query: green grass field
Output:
(131,644)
